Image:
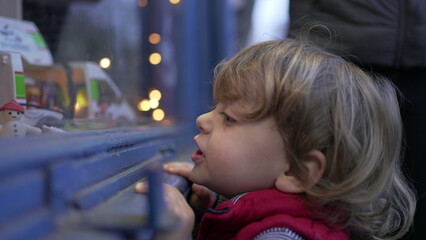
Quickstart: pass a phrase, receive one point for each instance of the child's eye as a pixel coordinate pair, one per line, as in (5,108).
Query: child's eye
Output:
(227,118)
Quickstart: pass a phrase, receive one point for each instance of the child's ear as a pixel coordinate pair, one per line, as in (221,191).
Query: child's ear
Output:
(315,162)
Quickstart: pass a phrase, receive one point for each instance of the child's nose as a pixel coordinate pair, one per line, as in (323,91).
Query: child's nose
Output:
(203,123)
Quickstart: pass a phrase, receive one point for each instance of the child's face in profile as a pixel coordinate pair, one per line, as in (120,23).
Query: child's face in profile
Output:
(235,155)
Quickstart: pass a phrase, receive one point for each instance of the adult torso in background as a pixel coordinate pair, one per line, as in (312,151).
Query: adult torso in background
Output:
(388,33)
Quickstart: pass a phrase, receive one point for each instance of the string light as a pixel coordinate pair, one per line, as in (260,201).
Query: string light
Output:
(174,1)
(153,103)
(105,63)
(158,114)
(144,105)
(155,94)
(142,3)
(155,58)
(154,38)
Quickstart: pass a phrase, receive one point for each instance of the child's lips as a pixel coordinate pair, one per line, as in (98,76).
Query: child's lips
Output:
(197,156)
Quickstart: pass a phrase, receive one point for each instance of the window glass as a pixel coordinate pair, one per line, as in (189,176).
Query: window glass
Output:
(140,62)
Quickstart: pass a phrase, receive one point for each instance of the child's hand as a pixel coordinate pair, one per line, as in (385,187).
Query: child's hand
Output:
(204,197)
(180,168)
(177,205)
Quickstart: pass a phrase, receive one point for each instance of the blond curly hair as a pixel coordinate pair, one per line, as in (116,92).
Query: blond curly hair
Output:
(320,101)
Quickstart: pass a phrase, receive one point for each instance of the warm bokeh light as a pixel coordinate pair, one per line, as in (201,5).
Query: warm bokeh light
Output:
(155,58)
(142,3)
(81,98)
(154,38)
(144,105)
(105,63)
(155,94)
(77,107)
(153,103)
(158,114)
(174,1)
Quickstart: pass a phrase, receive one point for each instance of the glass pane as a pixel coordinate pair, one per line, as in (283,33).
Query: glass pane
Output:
(99,60)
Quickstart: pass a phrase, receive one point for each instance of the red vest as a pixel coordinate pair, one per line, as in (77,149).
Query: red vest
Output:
(258,211)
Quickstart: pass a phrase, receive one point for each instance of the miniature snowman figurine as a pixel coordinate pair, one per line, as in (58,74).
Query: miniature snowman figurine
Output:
(12,113)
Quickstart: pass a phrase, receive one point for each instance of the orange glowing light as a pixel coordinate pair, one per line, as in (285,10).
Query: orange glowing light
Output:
(154,38)
(142,3)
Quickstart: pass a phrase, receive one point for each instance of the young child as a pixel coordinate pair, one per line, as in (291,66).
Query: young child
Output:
(304,144)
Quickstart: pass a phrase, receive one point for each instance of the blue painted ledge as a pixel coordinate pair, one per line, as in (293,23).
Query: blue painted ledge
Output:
(80,185)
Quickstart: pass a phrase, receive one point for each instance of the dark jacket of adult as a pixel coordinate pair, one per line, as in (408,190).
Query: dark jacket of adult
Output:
(386,33)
